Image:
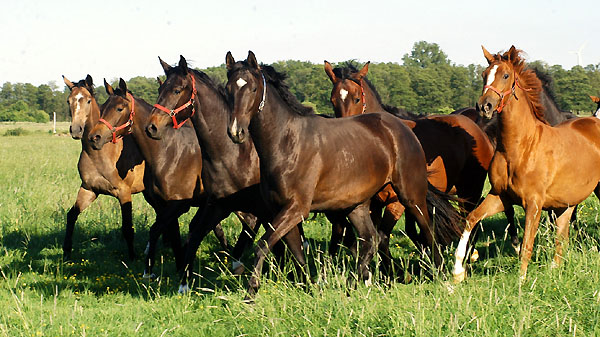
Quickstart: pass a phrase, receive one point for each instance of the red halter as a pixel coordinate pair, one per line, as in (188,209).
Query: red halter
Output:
(503,94)
(128,124)
(362,96)
(174,112)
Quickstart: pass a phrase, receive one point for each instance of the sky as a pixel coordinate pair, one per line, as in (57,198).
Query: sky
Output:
(42,40)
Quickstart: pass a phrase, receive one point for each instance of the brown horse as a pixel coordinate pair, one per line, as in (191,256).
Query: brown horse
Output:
(535,165)
(597,101)
(170,192)
(457,151)
(116,170)
(310,163)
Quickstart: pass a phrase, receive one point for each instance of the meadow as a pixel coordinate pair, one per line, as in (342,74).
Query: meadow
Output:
(101,293)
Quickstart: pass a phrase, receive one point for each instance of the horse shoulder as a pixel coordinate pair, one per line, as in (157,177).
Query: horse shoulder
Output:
(498,173)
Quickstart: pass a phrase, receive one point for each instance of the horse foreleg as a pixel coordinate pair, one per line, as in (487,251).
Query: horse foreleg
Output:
(491,205)
(511,227)
(533,212)
(127,225)
(283,223)
(562,234)
(84,199)
(245,239)
(391,215)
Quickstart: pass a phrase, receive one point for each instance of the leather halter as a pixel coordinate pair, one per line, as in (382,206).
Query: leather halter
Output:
(261,105)
(362,97)
(510,92)
(128,124)
(174,112)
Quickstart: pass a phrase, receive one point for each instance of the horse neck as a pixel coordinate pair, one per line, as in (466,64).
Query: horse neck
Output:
(90,123)
(517,124)
(210,123)
(150,148)
(551,111)
(373,104)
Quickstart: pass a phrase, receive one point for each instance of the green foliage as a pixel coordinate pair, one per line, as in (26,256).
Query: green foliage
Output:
(427,82)
(20,111)
(16,132)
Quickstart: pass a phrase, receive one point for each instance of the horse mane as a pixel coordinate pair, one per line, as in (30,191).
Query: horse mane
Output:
(547,83)
(211,83)
(347,71)
(527,79)
(83,84)
(277,80)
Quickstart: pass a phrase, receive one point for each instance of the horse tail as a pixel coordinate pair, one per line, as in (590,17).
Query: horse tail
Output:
(447,221)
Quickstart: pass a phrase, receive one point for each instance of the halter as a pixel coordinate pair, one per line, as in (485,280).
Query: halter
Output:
(126,125)
(261,105)
(502,95)
(174,112)
(362,97)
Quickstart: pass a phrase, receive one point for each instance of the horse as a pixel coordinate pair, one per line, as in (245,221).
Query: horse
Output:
(457,151)
(230,173)
(535,165)
(116,170)
(596,100)
(170,192)
(309,163)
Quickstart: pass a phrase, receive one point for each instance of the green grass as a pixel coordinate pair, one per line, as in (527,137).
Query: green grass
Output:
(99,293)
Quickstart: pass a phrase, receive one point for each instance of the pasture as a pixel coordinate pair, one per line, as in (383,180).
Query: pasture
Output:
(101,293)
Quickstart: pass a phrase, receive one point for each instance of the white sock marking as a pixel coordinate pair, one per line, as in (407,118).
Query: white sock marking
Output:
(491,77)
(343,94)
(183,289)
(461,251)
(240,82)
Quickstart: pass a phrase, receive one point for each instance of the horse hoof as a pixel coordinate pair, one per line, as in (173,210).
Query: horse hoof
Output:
(183,289)
(474,256)
(238,267)
(147,250)
(458,277)
(147,276)
(305,245)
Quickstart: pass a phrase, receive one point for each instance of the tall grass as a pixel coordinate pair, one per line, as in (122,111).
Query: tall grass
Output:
(99,293)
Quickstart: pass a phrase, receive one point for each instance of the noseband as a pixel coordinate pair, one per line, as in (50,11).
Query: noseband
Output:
(174,112)
(510,93)
(129,123)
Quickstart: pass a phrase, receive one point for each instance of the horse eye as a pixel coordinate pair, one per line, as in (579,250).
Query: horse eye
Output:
(505,76)
(119,109)
(254,90)
(177,91)
(357,100)
(89,101)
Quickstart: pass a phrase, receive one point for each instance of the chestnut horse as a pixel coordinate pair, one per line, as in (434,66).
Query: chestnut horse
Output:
(170,192)
(535,165)
(457,151)
(597,101)
(310,163)
(230,173)
(116,170)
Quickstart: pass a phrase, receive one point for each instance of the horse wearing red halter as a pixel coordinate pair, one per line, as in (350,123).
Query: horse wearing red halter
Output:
(537,166)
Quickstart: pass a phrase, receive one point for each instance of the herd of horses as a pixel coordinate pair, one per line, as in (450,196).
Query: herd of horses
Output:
(252,149)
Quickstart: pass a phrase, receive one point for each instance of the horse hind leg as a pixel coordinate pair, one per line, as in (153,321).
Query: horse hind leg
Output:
(562,234)
(367,235)
(84,199)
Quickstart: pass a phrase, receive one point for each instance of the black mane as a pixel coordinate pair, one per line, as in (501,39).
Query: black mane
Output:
(277,80)
(83,84)
(345,73)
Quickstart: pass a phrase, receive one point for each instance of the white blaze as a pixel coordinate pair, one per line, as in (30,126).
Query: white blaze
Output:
(491,77)
(77,98)
(234,127)
(343,94)
(240,82)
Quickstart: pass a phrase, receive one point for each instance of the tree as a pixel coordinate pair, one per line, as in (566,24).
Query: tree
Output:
(425,54)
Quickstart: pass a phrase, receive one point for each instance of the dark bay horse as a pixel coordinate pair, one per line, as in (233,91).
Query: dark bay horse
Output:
(457,151)
(116,170)
(170,191)
(230,173)
(310,163)
(535,165)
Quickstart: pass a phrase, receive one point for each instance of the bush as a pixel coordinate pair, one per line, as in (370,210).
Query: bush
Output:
(16,132)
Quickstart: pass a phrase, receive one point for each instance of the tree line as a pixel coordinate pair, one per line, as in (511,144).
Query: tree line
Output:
(426,82)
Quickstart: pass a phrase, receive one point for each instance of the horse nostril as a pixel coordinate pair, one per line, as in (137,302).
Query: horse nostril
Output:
(151,129)
(95,138)
(488,107)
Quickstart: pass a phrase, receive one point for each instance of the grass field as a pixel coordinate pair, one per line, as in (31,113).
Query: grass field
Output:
(101,294)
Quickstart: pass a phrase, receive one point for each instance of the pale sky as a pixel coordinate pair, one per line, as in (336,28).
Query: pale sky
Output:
(42,40)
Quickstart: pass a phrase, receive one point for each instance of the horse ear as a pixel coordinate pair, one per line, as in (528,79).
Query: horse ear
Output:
(595,99)
(160,82)
(183,64)
(489,57)
(363,72)
(109,89)
(89,81)
(122,86)
(252,60)
(329,72)
(513,53)
(166,67)
(229,61)
(69,84)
